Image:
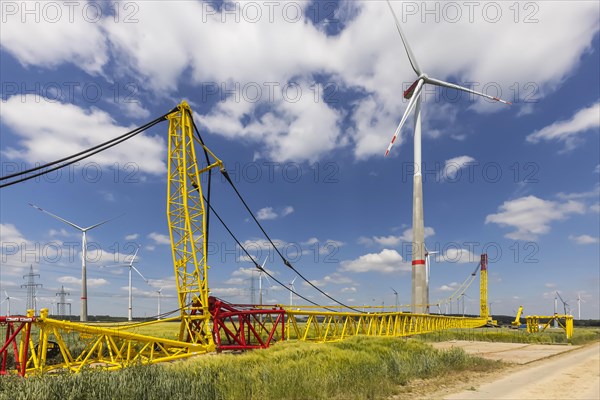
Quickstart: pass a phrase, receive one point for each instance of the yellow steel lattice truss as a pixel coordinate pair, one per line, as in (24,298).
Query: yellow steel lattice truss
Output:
(187,227)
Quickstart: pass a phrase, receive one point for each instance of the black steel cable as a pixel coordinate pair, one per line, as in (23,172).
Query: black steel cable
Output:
(141,128)
(97,149)
(285,261)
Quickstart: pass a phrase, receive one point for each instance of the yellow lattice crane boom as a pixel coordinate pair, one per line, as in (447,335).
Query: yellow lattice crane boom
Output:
(483,288)
(187,225)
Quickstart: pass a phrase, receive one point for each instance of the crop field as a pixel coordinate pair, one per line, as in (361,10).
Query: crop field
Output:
(550,336)
(357,368)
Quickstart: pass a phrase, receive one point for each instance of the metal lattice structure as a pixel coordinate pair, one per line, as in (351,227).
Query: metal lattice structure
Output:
(187,227)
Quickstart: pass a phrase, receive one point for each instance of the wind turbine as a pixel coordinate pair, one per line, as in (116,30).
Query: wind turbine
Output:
(159,291)
(565,304)
(84,309)
(261,270)
(7,299)
(420,289)
(579,300)
(427,271)
(131,267)
(396,295)
(292,290)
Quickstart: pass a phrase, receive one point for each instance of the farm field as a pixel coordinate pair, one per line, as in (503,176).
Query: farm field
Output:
(357,368)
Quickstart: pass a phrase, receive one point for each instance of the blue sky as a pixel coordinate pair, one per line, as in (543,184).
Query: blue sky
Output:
(300,101)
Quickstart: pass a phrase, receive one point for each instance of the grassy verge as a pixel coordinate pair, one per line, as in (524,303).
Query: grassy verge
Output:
(358,368)
(580,336)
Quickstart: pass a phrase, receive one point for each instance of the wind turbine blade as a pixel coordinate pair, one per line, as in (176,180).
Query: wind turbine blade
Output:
(262,267)
(102,223)
(293,280)
(134,255)
(411,56)
(114,266)
(57,217)
(139,273)
(437,82)
(6,294)
(409,108)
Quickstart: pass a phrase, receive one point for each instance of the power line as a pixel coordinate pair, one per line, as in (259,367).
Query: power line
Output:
(66,161)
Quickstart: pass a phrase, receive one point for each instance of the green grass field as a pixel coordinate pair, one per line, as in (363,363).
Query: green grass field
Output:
(358,368)
(550,336)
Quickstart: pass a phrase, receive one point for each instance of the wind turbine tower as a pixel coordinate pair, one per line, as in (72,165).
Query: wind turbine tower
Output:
(420,288)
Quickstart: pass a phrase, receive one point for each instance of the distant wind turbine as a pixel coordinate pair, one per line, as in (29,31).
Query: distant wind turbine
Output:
(396,295)
(131,267)
(579,300)
(159,291)
(420,290)
(292,290)
(7,299)
(84,308)
(261,270)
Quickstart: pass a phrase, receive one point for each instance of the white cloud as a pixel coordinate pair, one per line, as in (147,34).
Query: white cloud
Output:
(166,55)
(91,282)
(287,211)
(449,287)
(62,232)
(335,278)
(387,261)
(58,38)
(10,234)
(531,216)
(460,256)
(452,167)
(133,236)
(393,240)
(108,196)
(48,131)
(584,239)
(159,238)
(268,213)
(569,131)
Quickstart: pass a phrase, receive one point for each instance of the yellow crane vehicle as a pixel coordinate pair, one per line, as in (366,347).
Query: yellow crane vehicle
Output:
(40,344)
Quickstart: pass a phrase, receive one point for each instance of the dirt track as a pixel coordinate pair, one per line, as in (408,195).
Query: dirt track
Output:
(572,375)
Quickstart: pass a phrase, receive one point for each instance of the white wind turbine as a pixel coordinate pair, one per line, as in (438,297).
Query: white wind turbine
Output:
(396,298)
(131,267)
(84,309)
(292,290)
(159,291)
(428,271)
(420,289)
(579,300)
(261,270)
(7,299)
